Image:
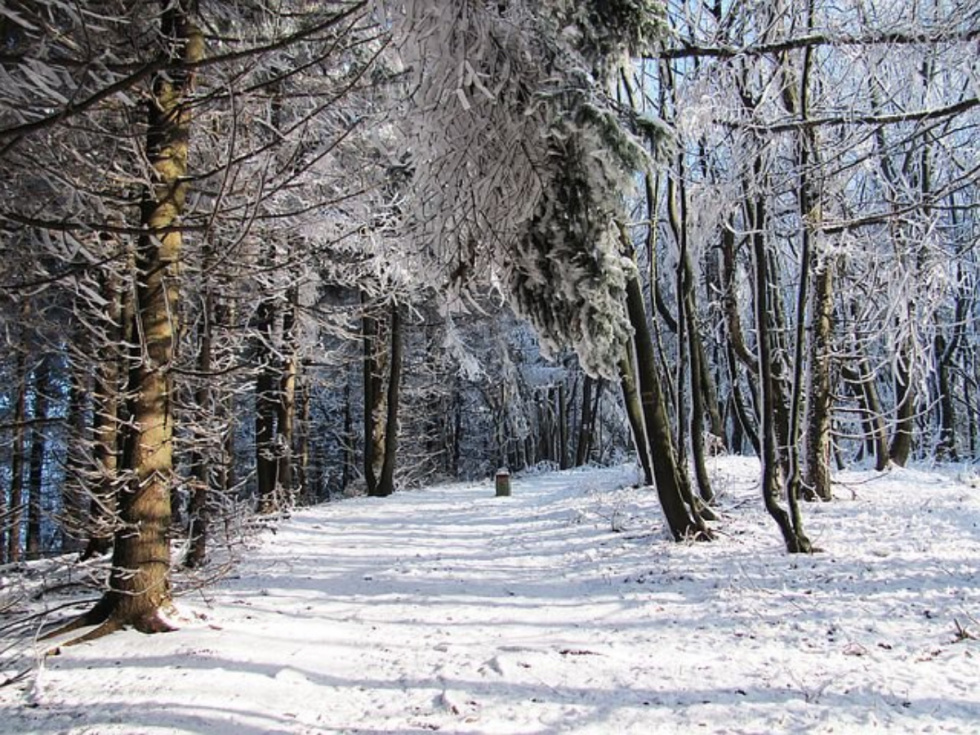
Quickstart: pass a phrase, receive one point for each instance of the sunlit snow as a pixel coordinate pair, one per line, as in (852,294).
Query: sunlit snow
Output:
(563,608)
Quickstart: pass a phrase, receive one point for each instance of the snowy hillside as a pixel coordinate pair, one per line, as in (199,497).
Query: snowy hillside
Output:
(561,609)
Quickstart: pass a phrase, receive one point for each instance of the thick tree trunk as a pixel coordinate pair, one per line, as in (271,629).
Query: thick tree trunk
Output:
(139,584)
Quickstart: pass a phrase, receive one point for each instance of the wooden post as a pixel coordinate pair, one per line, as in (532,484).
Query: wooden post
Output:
(503,483)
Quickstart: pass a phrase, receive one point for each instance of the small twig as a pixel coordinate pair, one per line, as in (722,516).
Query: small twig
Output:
(44,613)
(962,634)
(19,676)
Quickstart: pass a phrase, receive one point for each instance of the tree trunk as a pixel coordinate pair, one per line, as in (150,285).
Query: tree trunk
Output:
(585,424)
(946,447)
(286,403)
(374,400)
(386,482)
(634,412)
(818,433)
(38,451)
(562,426)
(677,215)
(688,330)
(348,448)
(862,381)
(139,584)
(698,408)
(73,497)
(673,491)
(817,445)
(901,445)
(743,417)
(733,319)
(771,462)
(457,426)
(106,421)
(710,370)
(197,510)
(15,506)
(303,444)
(266,385)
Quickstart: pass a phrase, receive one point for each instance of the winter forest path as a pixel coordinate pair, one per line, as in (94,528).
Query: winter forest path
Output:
(560,609)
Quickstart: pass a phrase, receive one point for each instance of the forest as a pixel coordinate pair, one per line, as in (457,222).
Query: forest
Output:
(263,254)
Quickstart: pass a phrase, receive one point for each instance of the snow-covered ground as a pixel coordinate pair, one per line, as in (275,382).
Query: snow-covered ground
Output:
(560,609)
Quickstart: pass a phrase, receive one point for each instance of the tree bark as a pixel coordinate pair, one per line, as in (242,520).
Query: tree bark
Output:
(793,536)
(73,496)
(139,584)
(562,426)
(386,482)
(15,506)
(106,420)
(818,433)
(266,385)
(900,448)
(862,381)
(349,438)
(197,511)
(303,443)
(733,320)
(38,450)
(698,409)
(374,400)
(673,491)
(286,403)
(634,412)
(585,424)
(946,446)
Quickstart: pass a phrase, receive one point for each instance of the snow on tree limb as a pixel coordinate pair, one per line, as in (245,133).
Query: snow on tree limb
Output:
(522,162)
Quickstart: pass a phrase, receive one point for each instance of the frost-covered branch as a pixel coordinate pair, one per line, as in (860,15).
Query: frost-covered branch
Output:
(521,160)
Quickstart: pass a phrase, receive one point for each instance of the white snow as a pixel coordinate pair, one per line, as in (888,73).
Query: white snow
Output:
(563,608)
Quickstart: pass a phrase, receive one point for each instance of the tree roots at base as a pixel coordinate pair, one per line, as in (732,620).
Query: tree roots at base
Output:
(102,616)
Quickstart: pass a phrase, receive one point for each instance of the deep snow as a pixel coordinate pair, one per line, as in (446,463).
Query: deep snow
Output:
(561,609)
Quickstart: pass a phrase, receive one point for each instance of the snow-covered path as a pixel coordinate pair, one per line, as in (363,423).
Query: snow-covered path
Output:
(560,609)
